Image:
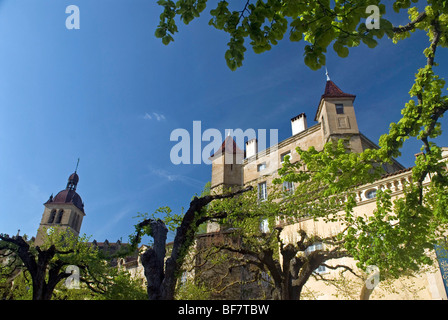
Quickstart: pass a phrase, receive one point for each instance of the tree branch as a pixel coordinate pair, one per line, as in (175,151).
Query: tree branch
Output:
(435,41)
(410,25)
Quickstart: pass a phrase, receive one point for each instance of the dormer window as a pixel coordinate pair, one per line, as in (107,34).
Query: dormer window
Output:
(339,108)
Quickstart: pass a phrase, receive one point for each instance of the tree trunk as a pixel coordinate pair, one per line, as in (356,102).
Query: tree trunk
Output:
(39,287)
(162,282)
(153,260)
(365,293)
(183,239)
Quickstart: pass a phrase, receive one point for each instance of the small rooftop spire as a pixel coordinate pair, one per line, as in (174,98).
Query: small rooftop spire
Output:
(326,72)
(73,179)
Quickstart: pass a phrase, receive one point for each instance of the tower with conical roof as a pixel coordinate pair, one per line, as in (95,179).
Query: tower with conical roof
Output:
(64,211)
(337,116)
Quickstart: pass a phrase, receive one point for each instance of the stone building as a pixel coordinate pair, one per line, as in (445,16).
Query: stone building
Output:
(335,118)
(233,167)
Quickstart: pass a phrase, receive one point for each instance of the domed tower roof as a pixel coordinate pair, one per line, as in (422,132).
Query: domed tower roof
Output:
(69,195)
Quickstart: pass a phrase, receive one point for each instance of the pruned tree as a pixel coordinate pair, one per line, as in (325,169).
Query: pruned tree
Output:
(45,268)
(289,265)
(52,263)
(162,272)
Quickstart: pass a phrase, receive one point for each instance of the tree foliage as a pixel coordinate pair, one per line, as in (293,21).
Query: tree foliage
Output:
(40,272)
(324,190)
(395,237)
(342,24)
(400,231)
(320,23)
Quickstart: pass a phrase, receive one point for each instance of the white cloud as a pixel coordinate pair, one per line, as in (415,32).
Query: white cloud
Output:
(154,116)
(159,117)
(168,176)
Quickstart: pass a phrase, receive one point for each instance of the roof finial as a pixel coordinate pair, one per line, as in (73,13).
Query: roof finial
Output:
(77,166)
(326,72)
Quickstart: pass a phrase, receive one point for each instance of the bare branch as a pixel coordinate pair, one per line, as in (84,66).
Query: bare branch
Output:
(346,268)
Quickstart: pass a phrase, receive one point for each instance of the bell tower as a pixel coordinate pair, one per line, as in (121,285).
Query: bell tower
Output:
(64,211)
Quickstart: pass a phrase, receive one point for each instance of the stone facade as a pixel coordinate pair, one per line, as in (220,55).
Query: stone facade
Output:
(427,285)
(336,119)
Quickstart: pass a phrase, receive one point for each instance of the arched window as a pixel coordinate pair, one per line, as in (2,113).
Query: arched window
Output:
(52,215)
(75,221)
(370,194)
(59,217)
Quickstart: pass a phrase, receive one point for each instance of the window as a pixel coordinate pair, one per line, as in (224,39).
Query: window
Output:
(282,157)
(75,221)
(262,191)
(264,226)
(323,125)
(261,167)
(370,194)
(78,224)
(288,187)
(320,269)
(59,217)
(339,108)
(52,215)
(314,247)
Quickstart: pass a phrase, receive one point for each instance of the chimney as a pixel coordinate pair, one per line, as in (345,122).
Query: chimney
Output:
(298,124)
(251,148)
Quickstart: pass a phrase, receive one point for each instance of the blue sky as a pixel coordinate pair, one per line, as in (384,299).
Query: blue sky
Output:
(111,94)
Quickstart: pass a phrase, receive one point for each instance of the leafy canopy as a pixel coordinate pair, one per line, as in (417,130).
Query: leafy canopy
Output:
(320,23)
